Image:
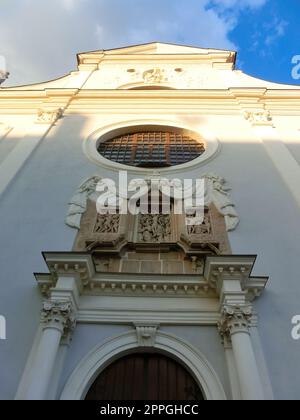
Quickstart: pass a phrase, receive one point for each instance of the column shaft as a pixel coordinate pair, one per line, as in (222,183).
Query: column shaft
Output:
(44,363)
(247,370)
(57,319)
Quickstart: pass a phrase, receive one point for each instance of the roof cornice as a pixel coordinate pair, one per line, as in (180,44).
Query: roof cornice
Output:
(220,101)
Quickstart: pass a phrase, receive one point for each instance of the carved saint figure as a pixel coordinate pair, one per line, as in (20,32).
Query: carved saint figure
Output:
(219,194)
(78,203)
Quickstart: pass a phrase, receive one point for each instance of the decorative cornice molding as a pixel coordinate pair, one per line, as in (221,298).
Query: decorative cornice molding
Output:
(146,335)
(235,267)
(137,54)
(79,265)
(147,285)
(232,101)
(58,315)
(49,116)
(217,268)
(45,282)
(147,317)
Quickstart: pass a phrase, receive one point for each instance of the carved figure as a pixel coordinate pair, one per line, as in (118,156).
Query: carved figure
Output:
(219,194)
(154,76)
(107,223)
(154,228)
(78,203)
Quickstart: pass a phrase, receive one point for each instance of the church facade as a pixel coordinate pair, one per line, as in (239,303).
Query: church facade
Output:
(198,302)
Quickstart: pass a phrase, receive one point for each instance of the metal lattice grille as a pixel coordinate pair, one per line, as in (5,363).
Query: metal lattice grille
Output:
(152,149)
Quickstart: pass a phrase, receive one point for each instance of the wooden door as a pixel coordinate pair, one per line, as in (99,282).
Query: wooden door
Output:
(145,376)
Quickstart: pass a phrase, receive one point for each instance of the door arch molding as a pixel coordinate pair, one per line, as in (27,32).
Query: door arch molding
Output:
(104,354)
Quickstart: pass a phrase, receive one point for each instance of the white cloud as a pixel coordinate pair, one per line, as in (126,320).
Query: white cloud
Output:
(239,4)
(40,38)
(275,30)
(71,4)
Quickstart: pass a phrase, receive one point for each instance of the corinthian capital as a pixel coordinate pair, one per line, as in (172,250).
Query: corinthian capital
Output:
(58,315)
(235,319)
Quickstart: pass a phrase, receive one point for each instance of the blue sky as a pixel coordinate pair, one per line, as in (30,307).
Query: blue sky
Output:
(267,40)
(40,38)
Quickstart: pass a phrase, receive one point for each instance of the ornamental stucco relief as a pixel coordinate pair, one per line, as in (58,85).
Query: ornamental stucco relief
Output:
(78,202)
(217,192)
(49,116)
(259,117)
(172,76)
(3,76)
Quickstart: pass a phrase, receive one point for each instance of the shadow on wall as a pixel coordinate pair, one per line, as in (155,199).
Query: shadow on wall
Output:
(33,209)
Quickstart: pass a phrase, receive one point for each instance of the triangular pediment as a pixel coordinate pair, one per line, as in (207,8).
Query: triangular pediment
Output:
(162,48)
(157,48)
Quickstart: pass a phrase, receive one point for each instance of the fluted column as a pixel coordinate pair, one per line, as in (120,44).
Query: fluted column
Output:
(234,324)
(57,320)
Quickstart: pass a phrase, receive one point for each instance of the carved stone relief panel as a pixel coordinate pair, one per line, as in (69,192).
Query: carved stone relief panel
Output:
(203,228)
(210,235)
(100,230)
(107,223)
(155,75)
(155,233)
(154,228)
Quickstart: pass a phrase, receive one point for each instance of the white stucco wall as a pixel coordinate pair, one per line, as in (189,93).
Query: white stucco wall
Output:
(34,205)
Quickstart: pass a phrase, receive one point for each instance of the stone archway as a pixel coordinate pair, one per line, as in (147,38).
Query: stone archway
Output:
(102,356)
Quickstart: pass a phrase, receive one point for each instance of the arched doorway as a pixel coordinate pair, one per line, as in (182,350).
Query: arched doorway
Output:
(145,376)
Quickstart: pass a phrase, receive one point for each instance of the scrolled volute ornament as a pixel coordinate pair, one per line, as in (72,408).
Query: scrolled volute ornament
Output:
(235,319)
(58,315)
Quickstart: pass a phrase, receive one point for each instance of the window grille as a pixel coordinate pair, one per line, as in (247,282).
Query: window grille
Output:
(152,149)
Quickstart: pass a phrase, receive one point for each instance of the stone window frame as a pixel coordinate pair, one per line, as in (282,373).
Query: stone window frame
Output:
(152,148)
(91,144)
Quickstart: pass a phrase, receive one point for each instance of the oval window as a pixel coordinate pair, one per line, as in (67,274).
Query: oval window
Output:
(152,149)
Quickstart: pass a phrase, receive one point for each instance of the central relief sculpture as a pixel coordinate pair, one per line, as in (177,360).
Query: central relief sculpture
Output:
(154,228)
(153,243)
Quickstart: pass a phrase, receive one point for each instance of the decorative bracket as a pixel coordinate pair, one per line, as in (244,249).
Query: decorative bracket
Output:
(146,334)
(49,116)
(259,117)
